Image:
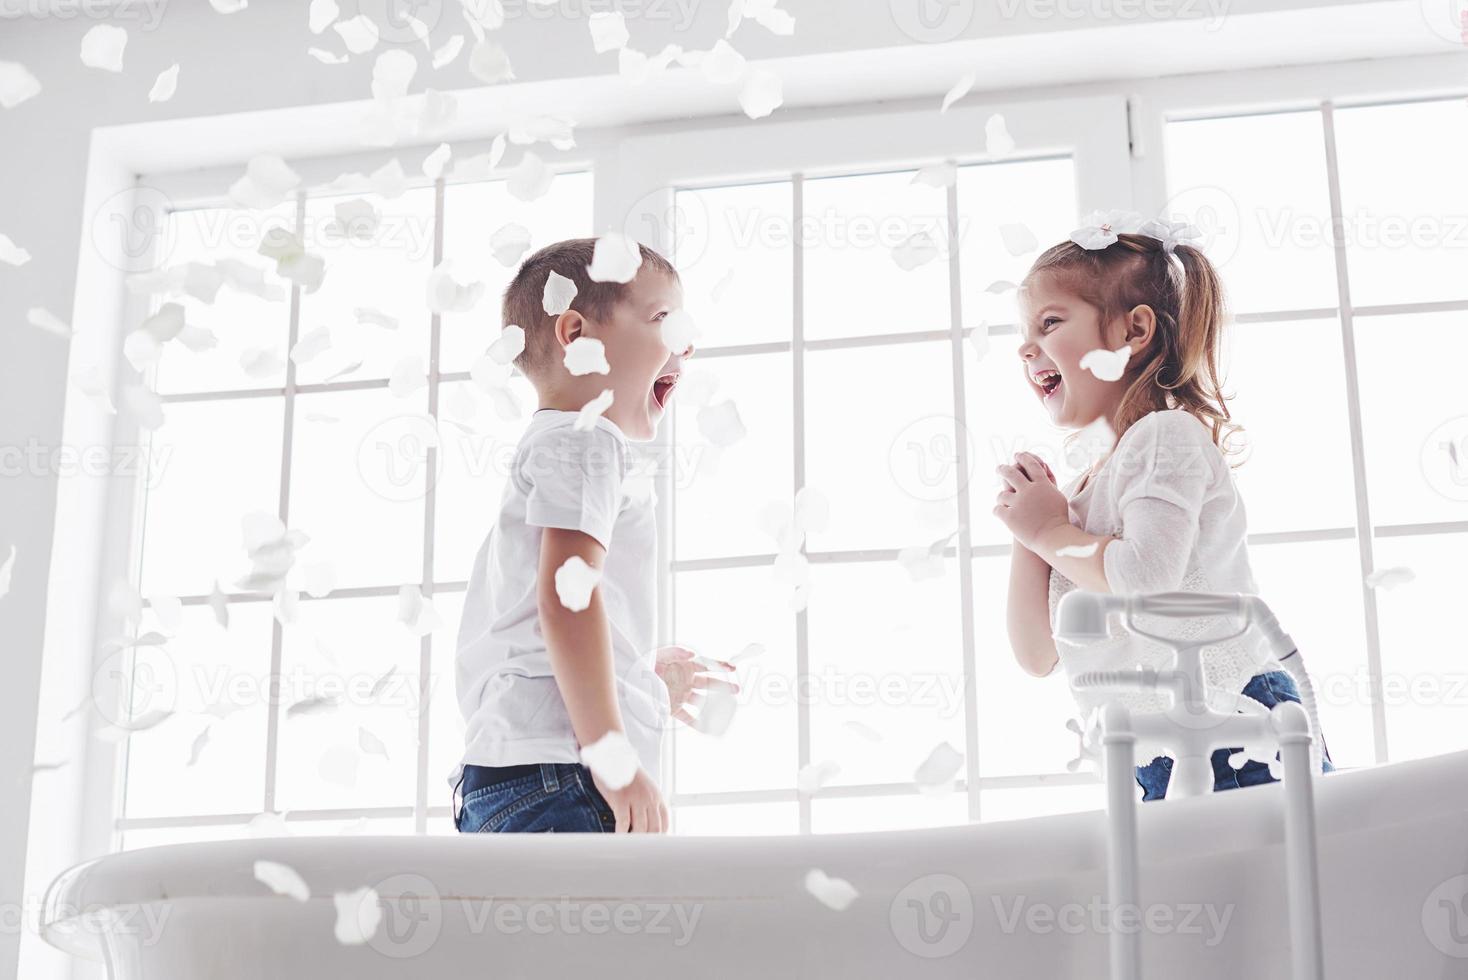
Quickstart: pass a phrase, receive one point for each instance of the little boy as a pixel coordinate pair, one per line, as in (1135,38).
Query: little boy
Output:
(540,672)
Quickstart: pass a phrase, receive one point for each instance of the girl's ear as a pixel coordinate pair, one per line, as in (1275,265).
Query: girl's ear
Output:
(1141,323)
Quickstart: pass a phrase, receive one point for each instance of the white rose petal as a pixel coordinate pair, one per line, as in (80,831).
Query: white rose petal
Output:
(1390,578)
(266,182)
(812,777)
(102,47)
(592,410)
(959,90)
(416,611)
(408,375)
(997,140)
(11,253)
(939,768)
(282,879)
(1077,550)
(918,250)
(938,175)
(392,73)
(530,179)
(229,6)
(489,63)
(358,914)
(509,243)
(608,31)
(834,893)
(445,295)
(445,55)
(359,34)
(558,294)
(679,331)
(574,582)
(7,569)
(721,424)
(762,93)
(357,219)
(311,346)
(164,86)
(389,181)
(320,579)
(509,345)
(1107,365)
(376,318)
(434,163)
(327,57)
(723,65)
(615,258)
(1018,239)
(322,15)
(611,759)
(17,84)
(260,362)
(39,316)
(370,744)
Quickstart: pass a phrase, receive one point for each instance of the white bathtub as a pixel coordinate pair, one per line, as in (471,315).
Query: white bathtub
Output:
(1002,900)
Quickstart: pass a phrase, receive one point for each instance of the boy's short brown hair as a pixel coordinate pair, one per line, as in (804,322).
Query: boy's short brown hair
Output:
(594,300)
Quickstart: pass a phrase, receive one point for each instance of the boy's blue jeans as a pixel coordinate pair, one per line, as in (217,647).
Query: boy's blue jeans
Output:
(546,797)
(1268,689)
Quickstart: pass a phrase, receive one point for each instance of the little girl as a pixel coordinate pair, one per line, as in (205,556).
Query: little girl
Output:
(1159,511)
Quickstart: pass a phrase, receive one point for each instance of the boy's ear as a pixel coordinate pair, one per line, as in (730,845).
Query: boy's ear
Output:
(568,326)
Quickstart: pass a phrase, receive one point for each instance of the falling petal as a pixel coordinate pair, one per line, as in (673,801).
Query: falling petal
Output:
(509,345)
(575,581)
(375,318)
(721,288)
(434,163)
(266,183)
(168,610)
(229,6)
(834,893)
(1107,365)
(12,253)
(320,579)
(489,63)
(762,93)
(392,73)
(865,731)
(408,375)
(959,90)
(323,14)
(446,295)
(608,31)
(723,65)
(370,744)
(445,55)
(1018,239)
(615,258)
(354,219)
(339,764)
(220,605)
(1390,578)
(380,685)
(311,346)
(164,86)
(611,759)
(920,563)
(938,175)
(7,569)
(359,34)
(358,914)
(812,777)
(997,141)
(416,611)
(319,704)
(509,243)
(143,404)
(17,84)
(558,293)
(679,331)
(102,47)
(939,768)
(260,362)
(38,316)
(721,424)
(918,250)
(200,740)
(327,57)
(1077,550)
(282,879)
(389,181)
(530,180)
(978,339)
(592,410)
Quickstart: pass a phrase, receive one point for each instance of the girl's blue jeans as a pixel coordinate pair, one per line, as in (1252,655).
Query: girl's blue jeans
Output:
(1268,689)
(546,797)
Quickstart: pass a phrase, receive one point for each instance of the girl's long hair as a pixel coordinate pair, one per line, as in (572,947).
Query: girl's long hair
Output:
(1179,367)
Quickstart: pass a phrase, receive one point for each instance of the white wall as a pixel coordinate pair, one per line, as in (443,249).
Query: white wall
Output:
(57,172)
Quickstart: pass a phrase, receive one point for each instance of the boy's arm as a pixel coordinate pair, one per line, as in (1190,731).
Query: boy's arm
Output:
(579,643)
(1028,615)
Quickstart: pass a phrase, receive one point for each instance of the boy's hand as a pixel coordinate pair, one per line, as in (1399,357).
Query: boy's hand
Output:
(638,806)
(683,672)
(1028,505)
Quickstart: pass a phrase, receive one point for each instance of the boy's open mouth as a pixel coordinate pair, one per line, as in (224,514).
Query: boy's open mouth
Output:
(662,389)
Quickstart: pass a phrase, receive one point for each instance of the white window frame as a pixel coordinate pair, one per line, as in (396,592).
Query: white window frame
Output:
(1091,131)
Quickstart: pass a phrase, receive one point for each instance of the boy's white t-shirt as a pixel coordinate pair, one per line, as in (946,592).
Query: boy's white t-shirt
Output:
(512,707)
(1167,491)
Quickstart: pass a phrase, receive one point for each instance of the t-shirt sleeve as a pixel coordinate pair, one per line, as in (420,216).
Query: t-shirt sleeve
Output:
(574,481)
(1163,477)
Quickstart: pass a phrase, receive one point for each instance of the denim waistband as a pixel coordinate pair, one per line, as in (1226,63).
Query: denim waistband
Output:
(477,777)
